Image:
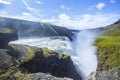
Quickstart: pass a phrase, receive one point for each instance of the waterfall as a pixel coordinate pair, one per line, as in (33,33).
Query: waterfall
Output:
(85,58)
(82,50)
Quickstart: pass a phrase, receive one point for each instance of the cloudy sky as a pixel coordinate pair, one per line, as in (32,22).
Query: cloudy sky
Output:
(77,14)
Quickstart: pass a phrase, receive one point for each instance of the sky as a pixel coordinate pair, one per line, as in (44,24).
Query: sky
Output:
(75,14)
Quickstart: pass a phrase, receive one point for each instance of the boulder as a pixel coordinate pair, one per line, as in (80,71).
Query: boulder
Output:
(113,74)
(22,62)
(34,60)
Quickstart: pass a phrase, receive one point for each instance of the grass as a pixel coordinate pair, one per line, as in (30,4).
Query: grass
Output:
(108,44)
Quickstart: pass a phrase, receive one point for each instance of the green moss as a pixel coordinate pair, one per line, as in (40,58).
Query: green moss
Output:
(26,53)
(6,30)
(63,56)
(30,52)
(15,47)
(47,52)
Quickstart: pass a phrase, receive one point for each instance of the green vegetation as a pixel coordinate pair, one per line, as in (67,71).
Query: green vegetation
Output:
(47,52)
(25,51)
(63,56)
(30,54)
(108,44)
(6,30)
(7,74)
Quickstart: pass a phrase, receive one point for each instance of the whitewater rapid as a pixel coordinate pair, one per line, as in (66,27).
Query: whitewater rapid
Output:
(58,44)
(82,50)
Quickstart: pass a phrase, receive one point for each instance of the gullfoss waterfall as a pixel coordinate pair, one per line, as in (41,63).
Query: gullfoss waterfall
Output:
(81,49)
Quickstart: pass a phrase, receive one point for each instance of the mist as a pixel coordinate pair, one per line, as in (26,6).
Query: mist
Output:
(85,58)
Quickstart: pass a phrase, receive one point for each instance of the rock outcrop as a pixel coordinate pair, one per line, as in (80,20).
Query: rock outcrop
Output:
(34,60)
(113,74)
(7,35)
(38,76)
(22,62)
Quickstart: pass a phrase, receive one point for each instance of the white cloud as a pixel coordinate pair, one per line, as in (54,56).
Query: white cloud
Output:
(100,6)
(26,14)
(112,1)
(84,21)
(64,7)
(5,2)
(39,2)
(64,16)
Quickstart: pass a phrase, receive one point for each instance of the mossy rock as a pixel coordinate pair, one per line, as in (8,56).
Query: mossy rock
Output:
(25,53)
(48,53)
(6,30)
(63,56)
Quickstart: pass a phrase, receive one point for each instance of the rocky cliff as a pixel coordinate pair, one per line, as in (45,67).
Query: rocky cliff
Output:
(22,62)
(7,35)
(108,50)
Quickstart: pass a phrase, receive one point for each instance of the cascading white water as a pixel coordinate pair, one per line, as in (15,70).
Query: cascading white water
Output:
(82,51)
(85,58)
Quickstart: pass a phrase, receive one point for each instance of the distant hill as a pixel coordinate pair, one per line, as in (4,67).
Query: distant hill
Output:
(108,52)
(35,29)
(108,44)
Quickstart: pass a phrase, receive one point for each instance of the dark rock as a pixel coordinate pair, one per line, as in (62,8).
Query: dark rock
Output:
(7,35)
(34,60)
(5,60)
(113,74)
(42,76)
(38,76)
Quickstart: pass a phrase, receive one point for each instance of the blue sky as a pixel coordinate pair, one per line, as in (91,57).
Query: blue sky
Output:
(77,14)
